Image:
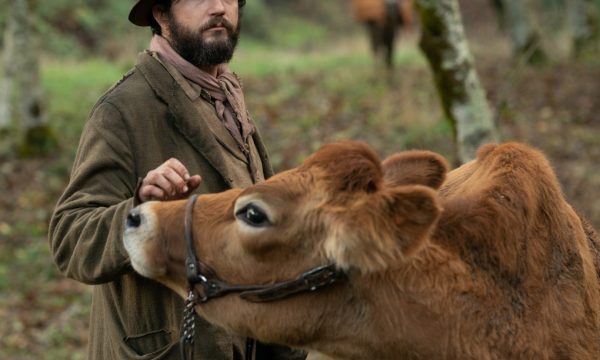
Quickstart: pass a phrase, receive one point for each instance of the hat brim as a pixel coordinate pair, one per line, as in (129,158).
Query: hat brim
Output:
(141,13)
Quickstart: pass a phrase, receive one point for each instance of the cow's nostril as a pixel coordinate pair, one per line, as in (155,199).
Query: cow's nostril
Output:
(134,219)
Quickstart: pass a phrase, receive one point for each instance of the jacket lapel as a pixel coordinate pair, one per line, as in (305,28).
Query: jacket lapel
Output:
(262,152)
(184,115)
(220,132)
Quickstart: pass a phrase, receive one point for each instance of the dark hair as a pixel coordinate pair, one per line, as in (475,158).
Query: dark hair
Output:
(165,6)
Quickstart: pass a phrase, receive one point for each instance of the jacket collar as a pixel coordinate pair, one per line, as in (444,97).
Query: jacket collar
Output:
(193,92)
(184,114)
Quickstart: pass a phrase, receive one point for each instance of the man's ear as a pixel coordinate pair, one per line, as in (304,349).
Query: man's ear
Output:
(415,168)
(161,17)
(382,228)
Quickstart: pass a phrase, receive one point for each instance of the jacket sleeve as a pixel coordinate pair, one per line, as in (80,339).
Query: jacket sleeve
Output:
(86,228)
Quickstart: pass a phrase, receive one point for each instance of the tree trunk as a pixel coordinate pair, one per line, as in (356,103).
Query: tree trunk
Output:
(22,87)
(524,35)
(5,109)
(585,27)
(444,43)
(499,10)
(6,80)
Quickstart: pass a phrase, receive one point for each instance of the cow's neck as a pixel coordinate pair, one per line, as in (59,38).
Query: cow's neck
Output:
(393,308)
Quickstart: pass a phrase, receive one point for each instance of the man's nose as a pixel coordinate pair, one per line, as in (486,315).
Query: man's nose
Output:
(134,218)
(217,8)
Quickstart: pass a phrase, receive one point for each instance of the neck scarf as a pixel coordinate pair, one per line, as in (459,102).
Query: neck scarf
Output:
(225,90)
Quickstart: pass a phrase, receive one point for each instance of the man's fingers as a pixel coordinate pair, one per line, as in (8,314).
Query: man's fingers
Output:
(177,181)
(178,167)
(194,182)
(169,181)
(160,180)
(151,192)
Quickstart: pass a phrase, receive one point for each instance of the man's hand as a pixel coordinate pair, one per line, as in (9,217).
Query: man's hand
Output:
(170,181)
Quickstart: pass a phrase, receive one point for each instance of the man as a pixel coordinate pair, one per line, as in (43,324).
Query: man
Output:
(177,115)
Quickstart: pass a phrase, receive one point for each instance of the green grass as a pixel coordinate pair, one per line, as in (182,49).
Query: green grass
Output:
(343,71)
(255,59)
(72,88)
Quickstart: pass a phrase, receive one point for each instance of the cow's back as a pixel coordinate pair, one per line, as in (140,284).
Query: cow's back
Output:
(506,217)
(374,10)
(368,10)
(593,241)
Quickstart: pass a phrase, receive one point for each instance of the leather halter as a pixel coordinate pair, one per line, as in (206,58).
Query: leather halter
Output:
(200,274)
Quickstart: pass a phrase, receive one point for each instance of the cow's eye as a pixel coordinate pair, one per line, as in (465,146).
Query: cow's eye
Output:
(253,215)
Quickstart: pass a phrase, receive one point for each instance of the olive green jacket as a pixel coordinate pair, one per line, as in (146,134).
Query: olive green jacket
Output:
(142,121)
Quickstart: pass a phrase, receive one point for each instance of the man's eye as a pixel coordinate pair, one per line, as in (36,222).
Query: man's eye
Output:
(253,216)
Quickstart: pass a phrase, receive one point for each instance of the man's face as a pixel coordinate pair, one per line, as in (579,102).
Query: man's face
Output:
(204,32)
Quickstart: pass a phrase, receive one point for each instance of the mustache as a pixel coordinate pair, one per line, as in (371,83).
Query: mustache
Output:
(216,22)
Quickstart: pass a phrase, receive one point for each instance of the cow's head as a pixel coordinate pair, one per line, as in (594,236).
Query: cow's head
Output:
(342,206)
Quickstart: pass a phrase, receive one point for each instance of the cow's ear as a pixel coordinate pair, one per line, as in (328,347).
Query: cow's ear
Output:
(415,210)
(382,228)
(415,168)
(348,166)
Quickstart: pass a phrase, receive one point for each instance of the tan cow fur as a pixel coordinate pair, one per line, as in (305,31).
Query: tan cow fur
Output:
(487,261)
(374,10)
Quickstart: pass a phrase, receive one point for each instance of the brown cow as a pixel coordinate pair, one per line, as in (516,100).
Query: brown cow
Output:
(488,262)
(382,19)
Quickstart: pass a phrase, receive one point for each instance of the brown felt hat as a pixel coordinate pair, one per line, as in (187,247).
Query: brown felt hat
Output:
(141,12)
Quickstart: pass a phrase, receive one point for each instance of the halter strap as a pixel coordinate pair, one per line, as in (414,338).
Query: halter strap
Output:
(201,274)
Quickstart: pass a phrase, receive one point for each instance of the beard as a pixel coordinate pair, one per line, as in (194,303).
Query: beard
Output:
(198,51)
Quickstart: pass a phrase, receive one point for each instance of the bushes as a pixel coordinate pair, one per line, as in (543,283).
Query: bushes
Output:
(256,19)
(77,28)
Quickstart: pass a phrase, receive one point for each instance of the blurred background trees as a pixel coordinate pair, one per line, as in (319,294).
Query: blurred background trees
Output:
(519,22)
(531,24)
(83,27)
(21,103)
(445,45)
(584,18)
(77,29)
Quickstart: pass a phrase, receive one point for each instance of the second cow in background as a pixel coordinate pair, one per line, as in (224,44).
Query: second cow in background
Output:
(382,19)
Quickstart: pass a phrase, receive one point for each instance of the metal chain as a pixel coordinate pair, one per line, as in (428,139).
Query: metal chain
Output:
(188,329)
